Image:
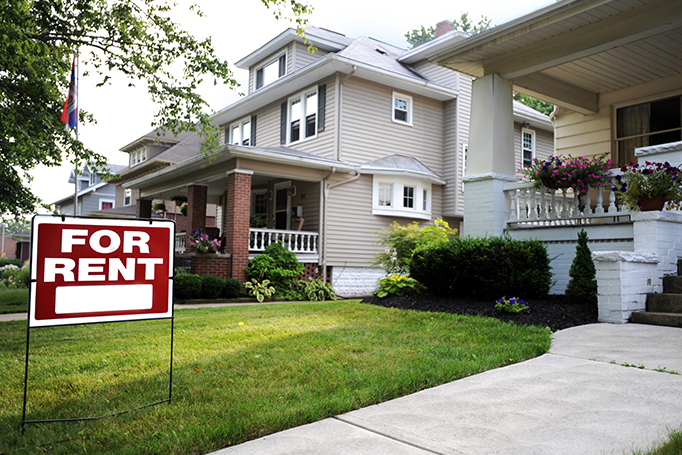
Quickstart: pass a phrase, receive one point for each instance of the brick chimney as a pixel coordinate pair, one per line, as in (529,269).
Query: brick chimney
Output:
(444,27)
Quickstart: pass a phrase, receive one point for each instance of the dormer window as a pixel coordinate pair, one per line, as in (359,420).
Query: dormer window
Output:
(271,71)
(138,156)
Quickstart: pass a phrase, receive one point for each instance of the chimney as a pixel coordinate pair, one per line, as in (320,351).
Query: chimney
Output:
(444,27)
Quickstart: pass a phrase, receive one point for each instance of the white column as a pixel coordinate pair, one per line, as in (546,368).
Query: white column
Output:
(490,160)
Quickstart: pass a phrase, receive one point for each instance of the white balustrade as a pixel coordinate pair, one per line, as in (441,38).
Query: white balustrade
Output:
(530,206)
(299,242)
(180,243)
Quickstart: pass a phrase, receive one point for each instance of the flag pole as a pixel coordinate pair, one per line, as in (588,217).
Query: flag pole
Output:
(75,159)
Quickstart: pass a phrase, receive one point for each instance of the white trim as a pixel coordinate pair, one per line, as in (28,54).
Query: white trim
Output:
(532,148)
(421,187)
(270,61)
(113,203)
(408,109)
(239,124)
(302,98)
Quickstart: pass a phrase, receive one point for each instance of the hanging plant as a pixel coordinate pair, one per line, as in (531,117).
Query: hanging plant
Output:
(179,199)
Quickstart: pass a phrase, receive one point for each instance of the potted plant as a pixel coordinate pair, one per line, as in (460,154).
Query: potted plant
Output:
(160,207)
(257,221)
(203,242)
(179,199)
(649,186)
(559,172)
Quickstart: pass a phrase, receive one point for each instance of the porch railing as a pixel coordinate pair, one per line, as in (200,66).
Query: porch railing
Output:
(299,242)
(529,206)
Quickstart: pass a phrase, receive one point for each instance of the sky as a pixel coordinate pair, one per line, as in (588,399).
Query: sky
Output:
(238,28)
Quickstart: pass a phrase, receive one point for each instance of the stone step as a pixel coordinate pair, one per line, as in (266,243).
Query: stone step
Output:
(666,319)
(672,284)
(664,303)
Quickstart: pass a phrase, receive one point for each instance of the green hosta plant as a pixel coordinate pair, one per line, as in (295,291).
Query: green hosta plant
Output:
(317,290)
(260,290)
(398,285)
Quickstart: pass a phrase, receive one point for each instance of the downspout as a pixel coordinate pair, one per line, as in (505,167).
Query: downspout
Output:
(323,224)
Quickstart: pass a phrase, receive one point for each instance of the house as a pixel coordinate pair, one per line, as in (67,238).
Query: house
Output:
(613,69)
(328,148)
(93,193)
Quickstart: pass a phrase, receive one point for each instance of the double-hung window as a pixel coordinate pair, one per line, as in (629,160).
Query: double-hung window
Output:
(402,108)
(527,146)
(271,71)
(240,132)
(401,197)
(302,122)
(127,196)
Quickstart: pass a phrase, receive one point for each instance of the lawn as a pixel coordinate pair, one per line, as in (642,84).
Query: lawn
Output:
(13,301)
(238,372)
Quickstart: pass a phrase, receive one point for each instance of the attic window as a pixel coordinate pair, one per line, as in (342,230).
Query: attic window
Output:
(381,51)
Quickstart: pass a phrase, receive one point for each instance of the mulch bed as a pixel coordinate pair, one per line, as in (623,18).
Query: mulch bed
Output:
(557,312)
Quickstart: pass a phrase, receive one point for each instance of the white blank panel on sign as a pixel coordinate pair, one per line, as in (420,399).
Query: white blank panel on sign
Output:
(91,299)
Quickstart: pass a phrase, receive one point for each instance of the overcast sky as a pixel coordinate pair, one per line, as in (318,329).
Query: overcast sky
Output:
(237,28)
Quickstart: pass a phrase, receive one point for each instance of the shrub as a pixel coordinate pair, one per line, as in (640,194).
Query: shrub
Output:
(24,276)
(211,287)
(583,282)
(277,265)
(232,288)
(317,290)
(398,285)
(7,261)
(187,286)
(484,267)
(400,242)
(261,290)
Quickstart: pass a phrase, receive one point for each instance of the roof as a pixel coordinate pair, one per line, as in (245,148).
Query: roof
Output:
(88,190)
(573,51)
(401,165)
(157,136)
(378,54)
(536,119)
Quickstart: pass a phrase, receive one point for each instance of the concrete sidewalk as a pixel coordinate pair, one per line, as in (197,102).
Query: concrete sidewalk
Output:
(583,397)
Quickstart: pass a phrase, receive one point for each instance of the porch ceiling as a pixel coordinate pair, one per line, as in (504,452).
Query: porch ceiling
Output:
(571,52)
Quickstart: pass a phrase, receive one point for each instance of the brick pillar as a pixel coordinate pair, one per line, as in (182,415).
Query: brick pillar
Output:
(237,214)
(144,208)
(196,211)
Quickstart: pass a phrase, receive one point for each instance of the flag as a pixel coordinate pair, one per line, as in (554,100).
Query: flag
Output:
(70,112)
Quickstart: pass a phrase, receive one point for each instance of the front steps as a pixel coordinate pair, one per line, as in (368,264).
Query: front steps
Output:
(663,309)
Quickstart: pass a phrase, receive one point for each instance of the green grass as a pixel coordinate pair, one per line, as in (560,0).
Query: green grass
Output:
(239,372)
(13,301)
(673,446)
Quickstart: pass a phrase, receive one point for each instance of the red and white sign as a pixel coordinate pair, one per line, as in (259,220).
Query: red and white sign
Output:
(86,270)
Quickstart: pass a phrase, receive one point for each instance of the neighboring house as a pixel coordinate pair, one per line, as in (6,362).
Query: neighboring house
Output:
(613,69)
(329,148)
(93,193)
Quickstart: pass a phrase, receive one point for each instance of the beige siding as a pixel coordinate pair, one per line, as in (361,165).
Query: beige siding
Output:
(451,159)
(585,135)
(438,74)
(351,227)
(252,69)
(544,145)
(368,132)
(308,195)
(302,57)
(463,126)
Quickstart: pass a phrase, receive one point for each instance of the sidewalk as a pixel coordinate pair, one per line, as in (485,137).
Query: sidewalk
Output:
(583,397)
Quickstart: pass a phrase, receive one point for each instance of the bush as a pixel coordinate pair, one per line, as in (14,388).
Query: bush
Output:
(317,290)
(211,287)
(7,261)
(400,242)
(583,282)
(187,286)
(24,276)
(484,267)
(398,285)
(277,265)
(232,288)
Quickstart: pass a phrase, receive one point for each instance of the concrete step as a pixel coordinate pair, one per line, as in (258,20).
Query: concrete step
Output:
(664,303)
(672,284)
(666,319)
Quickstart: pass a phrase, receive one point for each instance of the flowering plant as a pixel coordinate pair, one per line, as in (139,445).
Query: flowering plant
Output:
(513,305)
(579,173)
(202,242)
(649,180)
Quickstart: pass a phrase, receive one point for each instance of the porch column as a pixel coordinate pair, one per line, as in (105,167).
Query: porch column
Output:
(490,157)
(144,208)
(196,210)
(237,214)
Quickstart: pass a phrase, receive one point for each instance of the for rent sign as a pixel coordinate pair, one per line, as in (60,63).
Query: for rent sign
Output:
(86,270)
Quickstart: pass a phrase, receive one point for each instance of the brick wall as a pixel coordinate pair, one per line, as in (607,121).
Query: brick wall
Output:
(211,264)
(237,215)
(196,211)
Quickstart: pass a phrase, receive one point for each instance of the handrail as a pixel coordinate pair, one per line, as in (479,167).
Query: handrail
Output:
(302,242)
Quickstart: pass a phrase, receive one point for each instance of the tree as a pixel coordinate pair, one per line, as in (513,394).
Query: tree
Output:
(422,35)
(539,105)
(583,282)
(131,38)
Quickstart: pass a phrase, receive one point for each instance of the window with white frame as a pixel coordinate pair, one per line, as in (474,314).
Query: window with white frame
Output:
(271,71)
(138,156)
(527,146)
(401,197)
(302,121)
(127,196)
(105,204)
(93,177)
(240,132)
(402,108)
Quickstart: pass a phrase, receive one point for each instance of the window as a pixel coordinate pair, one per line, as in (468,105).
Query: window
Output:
(93,177)
(259,202)
(641,125)
(401,197)
(302,122)
(138,156)
(105,204)
(240,132)
(402,108)
(127,196)
(527,146)
(271,71)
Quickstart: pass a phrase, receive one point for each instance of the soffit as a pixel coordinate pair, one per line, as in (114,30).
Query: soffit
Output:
(575,51)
